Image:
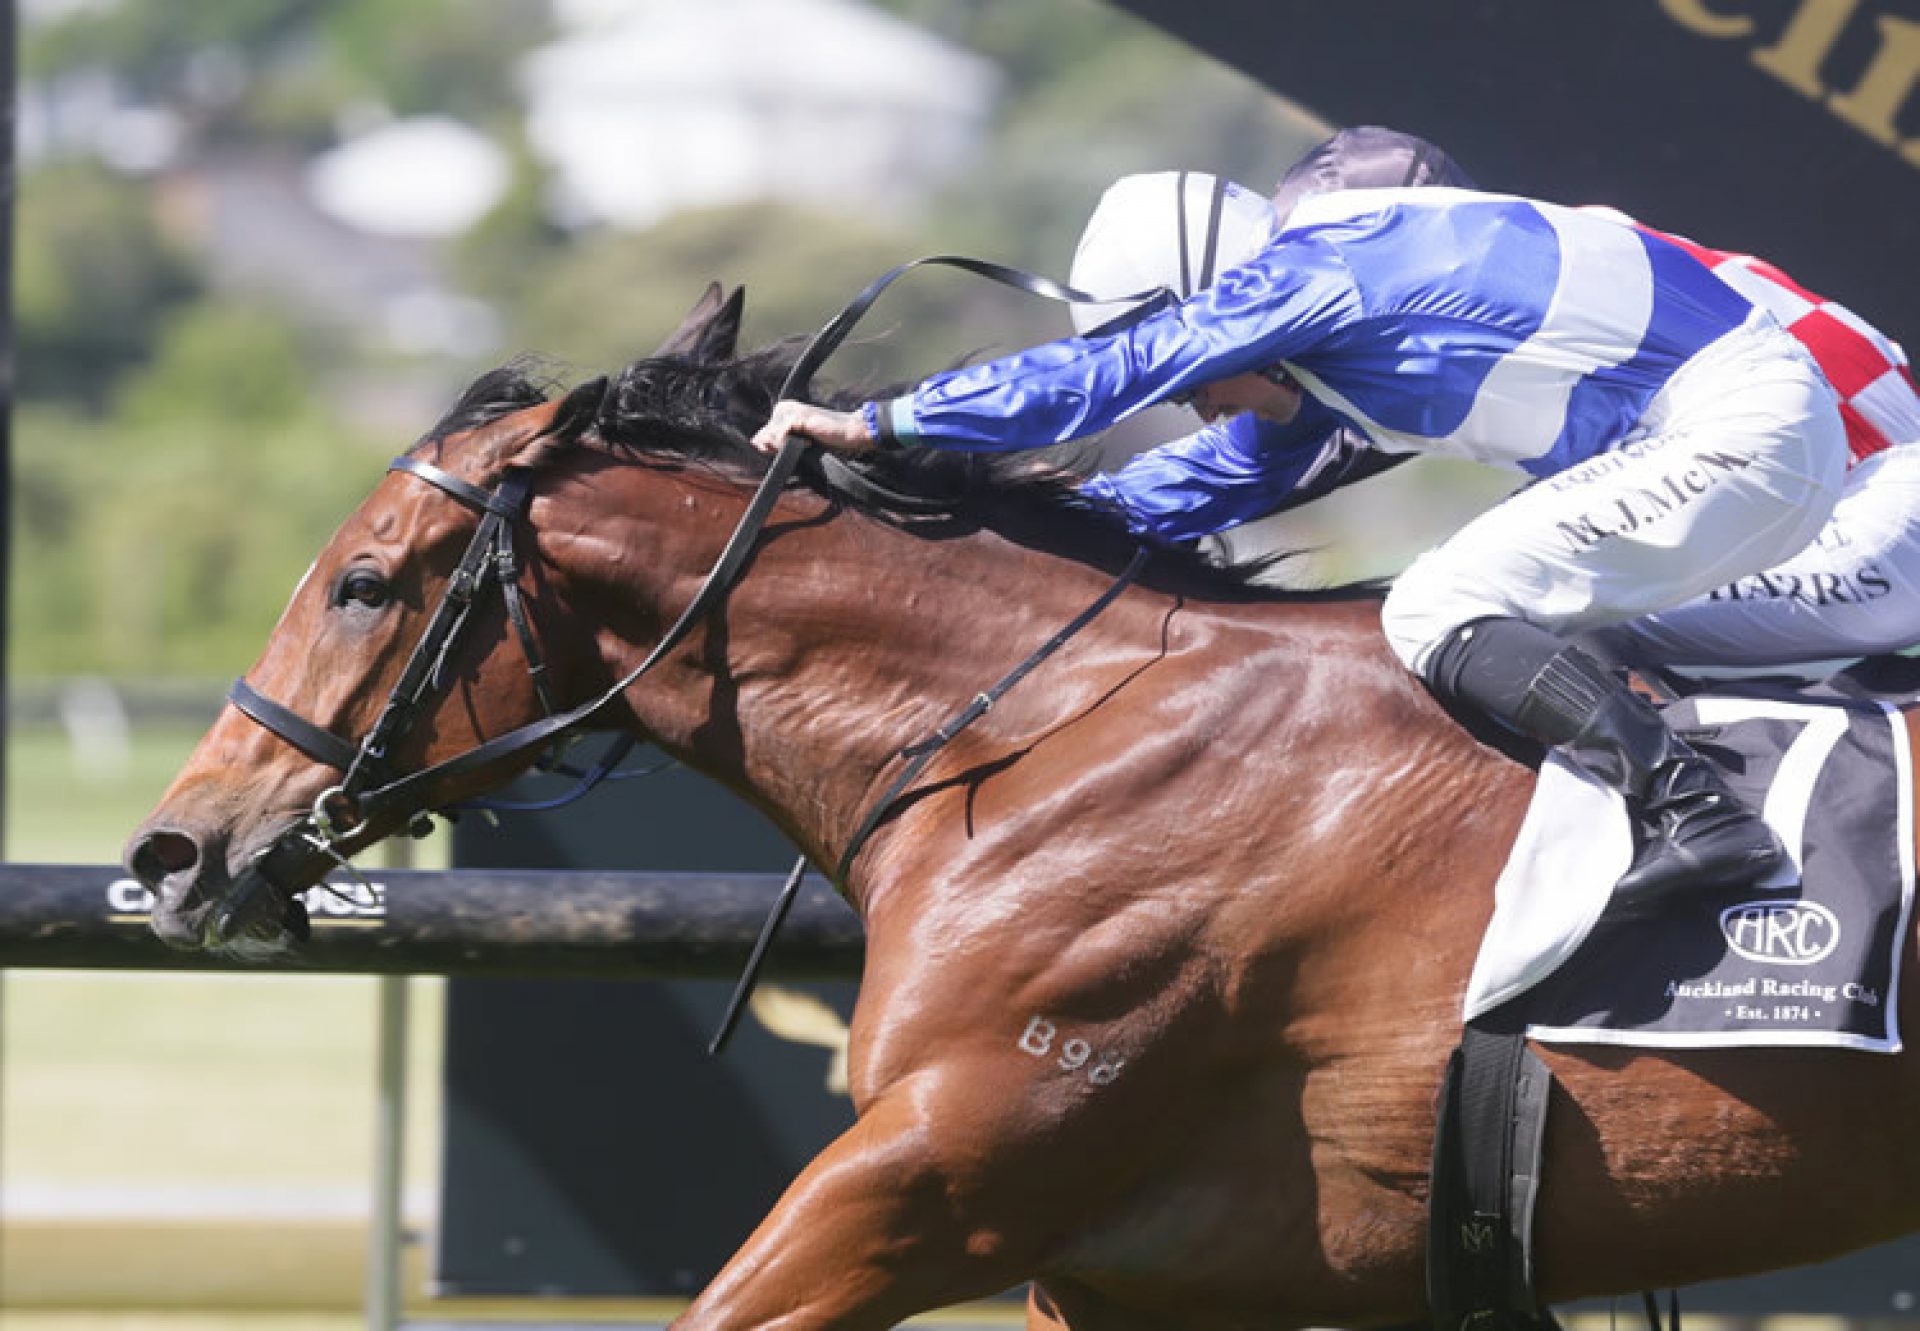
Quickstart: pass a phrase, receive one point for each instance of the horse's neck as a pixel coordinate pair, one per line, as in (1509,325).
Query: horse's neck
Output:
(848,640)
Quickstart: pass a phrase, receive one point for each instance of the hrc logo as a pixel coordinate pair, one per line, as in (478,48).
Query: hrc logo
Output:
(1789,933)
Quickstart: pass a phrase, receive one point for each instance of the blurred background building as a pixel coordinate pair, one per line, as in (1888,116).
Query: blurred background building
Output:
(262,242)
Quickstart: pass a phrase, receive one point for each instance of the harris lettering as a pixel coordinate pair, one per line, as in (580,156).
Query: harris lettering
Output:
(1867,583)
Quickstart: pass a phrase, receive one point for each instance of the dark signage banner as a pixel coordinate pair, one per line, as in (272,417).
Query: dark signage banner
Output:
(591,1146)
(1784,128)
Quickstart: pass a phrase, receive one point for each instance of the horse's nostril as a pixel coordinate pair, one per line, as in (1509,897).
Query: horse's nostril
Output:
(161,854)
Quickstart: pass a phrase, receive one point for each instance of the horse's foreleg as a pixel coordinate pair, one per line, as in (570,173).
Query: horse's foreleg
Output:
(872,1232)
(1042,1313)
(1062,1305)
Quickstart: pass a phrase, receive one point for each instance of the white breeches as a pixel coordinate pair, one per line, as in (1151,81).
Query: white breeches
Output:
(1853,592)
(1734,468)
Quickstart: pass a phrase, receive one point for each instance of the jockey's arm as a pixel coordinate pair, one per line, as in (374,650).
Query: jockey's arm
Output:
(841,431)
(1237,471)
(1286,300)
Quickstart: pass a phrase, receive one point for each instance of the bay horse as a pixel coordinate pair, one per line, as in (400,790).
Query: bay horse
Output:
(1165,953)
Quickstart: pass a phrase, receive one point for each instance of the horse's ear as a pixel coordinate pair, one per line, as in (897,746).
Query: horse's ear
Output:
(711,329)
(577,412)
(571,417)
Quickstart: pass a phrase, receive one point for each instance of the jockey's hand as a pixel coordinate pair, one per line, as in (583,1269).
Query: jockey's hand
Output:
(841,431)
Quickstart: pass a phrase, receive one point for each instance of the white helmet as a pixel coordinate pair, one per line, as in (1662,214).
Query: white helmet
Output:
(1173,229)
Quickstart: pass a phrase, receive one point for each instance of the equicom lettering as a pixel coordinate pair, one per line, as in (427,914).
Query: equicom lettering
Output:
(1872,100)
(346,901)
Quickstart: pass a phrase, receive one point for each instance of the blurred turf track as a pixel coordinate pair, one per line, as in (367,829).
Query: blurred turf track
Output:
(183,1141)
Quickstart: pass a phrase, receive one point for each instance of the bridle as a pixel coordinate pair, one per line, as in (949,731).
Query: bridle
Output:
(366,789)
(368,792)
(489,559)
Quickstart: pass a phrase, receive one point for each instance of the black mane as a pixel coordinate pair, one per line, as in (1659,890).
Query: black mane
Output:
(523,382)
(697,408)
(707,411)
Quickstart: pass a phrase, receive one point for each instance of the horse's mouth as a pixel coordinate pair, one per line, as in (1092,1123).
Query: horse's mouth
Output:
(251,911)
(256,919)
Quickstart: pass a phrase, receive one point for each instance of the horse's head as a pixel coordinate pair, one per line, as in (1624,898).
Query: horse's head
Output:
(417,636)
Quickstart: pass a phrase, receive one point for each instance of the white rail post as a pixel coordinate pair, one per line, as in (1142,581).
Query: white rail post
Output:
(386,1227)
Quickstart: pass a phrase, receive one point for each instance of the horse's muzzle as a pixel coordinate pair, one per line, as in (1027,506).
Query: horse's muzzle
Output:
(172,863)
(198,904)
(259,909)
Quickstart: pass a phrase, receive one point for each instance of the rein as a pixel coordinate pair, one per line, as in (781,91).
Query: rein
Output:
(365,793)
(919,755)
(319,834)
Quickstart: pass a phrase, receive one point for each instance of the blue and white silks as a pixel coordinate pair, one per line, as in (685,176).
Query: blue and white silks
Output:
(1429,320)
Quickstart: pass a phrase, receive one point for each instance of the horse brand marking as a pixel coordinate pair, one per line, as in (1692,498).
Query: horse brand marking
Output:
(1791,933)
(1075,1053)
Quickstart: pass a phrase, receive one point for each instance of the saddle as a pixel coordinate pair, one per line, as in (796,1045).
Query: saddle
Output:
(1846,813)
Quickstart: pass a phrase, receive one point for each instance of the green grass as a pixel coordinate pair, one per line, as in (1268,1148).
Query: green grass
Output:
(231,1086)
(63,808)
(131,1095)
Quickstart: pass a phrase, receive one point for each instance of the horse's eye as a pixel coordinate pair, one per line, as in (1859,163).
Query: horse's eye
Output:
(362,586)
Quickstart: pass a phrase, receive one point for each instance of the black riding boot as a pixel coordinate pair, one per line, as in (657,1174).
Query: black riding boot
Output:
(1696,832)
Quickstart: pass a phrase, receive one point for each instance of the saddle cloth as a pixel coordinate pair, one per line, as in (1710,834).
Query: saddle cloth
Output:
(1809,957)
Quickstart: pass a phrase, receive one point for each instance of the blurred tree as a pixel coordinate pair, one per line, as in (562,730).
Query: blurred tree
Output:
(243,361)
(612,297)
(1033,43)
(1078,70)
(172,54)
(502,256)
(164,537)
(52,596)
(95,279)
(287,68)
(168,549)
(179,461)
(441,57)
(1056,147)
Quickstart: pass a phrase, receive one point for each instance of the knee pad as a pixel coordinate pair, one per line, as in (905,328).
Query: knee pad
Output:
(1490,664)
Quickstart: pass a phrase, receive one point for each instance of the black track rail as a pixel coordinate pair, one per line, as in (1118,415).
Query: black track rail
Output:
(576,924)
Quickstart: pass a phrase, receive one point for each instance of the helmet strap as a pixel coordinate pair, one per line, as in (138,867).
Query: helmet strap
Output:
(1216,211)
(1210,251)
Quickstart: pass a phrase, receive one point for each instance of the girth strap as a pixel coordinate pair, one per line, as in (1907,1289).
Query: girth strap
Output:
(1486,1177)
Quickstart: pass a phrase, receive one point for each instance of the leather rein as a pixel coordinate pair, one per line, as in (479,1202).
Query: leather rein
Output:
(365,793)
(368,792)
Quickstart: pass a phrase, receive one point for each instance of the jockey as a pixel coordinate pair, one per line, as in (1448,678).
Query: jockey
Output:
(1854,591)
(1233,471)
(1679,437)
